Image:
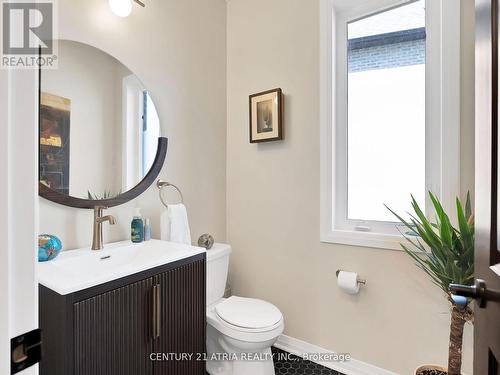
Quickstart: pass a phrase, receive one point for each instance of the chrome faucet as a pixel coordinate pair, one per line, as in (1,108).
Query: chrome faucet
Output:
(98,220)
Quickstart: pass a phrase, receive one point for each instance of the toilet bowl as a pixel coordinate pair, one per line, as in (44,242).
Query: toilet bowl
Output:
(240,331)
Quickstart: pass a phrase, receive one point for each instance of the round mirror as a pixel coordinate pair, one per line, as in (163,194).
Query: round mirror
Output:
(100,133)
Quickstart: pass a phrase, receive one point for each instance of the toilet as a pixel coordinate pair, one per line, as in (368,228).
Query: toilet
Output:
(240,331)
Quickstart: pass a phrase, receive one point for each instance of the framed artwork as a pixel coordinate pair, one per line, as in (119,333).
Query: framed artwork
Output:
(54,136)
(266,116)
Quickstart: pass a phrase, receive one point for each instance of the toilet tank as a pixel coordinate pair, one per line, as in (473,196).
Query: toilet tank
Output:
(217,268)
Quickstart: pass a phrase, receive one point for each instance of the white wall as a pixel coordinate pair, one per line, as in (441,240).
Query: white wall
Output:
(400,319)
(177,49)
(18,209)
(467,96)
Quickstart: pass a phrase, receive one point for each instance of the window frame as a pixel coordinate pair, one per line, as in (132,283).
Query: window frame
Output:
(442,116)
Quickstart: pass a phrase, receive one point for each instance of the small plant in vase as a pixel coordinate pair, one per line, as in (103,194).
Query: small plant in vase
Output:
(446,255)
(106,195)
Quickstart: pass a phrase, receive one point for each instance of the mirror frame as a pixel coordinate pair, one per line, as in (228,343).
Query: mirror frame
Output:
(69,201)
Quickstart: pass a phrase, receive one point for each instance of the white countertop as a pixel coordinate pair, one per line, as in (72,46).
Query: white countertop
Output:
(75,270)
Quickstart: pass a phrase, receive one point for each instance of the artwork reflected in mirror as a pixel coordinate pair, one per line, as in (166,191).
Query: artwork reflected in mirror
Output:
(112,142)
(55,115)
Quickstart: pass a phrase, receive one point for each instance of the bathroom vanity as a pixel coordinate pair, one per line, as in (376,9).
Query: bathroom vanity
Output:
(129,309)
(122,308)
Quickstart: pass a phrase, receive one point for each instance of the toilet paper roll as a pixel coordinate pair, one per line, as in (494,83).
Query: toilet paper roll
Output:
(348,282)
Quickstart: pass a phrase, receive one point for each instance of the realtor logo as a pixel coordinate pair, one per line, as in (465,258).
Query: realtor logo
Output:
(28,34)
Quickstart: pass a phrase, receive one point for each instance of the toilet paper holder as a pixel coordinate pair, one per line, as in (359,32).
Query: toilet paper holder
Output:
(360,281)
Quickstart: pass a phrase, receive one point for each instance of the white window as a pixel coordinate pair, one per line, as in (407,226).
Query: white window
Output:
(390,114)
(140,134)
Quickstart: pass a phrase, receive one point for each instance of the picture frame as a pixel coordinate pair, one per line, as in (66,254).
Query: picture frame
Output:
(54,141)
(266,116)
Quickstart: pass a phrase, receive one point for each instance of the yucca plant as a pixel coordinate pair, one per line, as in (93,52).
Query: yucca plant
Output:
(446,255)
(106,195)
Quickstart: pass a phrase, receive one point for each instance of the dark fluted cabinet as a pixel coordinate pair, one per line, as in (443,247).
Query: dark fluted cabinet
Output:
(124,327)
(182,323)
(112,332)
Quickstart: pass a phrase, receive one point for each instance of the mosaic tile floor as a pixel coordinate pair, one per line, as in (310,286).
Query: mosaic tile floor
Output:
(287,364)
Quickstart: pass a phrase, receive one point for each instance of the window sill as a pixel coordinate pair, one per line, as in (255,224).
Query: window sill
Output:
(364,239)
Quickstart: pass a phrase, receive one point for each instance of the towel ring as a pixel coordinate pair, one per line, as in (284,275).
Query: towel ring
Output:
(160,184)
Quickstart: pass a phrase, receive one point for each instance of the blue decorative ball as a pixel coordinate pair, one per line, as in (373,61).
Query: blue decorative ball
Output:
(49,247)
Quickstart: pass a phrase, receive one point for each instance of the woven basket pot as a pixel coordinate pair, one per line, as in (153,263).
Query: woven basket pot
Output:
(429,368)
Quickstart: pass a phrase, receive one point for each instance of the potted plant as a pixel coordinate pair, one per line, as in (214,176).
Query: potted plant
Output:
(446,254)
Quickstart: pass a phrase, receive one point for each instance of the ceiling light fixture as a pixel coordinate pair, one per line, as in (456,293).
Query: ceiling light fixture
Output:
(123,8)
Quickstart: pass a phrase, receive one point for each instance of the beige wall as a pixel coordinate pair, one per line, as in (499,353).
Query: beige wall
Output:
(177,49)
(400,319)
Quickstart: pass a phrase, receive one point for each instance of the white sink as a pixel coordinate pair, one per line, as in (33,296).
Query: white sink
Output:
(80,269)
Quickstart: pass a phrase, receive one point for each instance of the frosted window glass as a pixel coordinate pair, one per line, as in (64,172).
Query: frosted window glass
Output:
(386,113)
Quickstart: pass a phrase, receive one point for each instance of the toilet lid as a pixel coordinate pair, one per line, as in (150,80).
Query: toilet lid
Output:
(248,312)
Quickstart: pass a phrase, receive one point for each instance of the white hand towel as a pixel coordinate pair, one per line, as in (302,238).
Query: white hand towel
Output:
(175,225)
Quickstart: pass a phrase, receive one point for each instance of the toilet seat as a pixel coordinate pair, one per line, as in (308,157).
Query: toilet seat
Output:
(248,313)
(261,334)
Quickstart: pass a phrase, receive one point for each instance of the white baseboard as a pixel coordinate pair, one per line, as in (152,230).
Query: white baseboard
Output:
(351,367)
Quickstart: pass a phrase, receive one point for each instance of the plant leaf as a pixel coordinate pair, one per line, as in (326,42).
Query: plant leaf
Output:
(449,257)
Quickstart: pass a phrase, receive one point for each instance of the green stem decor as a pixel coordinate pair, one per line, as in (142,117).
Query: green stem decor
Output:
(106,195)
